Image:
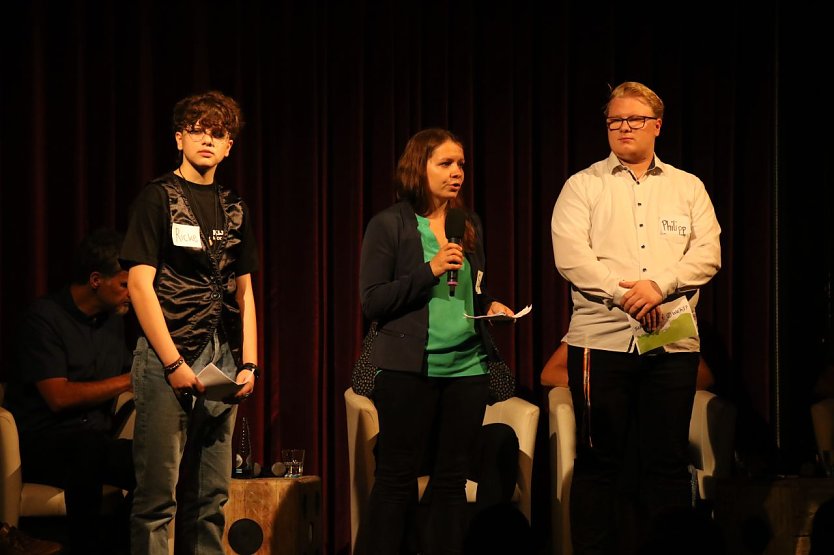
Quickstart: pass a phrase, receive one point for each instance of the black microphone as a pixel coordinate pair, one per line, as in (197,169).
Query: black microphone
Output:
(455,228)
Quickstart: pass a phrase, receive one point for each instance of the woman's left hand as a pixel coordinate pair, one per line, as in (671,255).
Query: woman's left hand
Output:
(499,308)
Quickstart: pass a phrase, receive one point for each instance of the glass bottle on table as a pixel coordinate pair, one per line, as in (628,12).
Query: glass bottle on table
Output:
(243,457)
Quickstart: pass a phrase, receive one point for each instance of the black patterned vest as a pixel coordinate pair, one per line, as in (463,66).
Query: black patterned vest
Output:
(196,287)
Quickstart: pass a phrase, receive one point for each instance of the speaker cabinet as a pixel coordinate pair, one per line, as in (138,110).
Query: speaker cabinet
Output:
(288,511)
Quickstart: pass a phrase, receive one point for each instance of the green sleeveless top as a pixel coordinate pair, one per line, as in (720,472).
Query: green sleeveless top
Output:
(454,348)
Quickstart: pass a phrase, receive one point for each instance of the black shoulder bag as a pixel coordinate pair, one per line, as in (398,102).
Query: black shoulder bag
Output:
(364,373)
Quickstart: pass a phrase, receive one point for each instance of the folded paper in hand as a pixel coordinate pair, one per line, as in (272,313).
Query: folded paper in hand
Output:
(500,316)
(678,323)
(218,385)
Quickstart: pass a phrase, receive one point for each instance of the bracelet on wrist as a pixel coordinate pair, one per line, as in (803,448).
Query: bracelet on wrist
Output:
(169,368)
(251,366)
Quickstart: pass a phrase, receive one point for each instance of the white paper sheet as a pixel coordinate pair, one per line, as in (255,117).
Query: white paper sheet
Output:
(218,385)
(500,316)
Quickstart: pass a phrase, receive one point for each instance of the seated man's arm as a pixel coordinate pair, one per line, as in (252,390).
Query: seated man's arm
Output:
(43,362)
(705,379)
(555,371)
(61,394)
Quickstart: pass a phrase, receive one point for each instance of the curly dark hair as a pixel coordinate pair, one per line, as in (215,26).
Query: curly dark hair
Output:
(212,110)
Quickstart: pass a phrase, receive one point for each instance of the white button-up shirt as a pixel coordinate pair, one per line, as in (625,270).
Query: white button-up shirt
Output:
(609,227)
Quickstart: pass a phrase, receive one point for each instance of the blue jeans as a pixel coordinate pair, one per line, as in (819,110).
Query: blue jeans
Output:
(183,458)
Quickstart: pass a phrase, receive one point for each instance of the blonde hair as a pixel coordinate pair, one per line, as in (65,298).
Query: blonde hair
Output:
(637,90)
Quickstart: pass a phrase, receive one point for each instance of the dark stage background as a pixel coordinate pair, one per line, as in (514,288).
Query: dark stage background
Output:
(332,90)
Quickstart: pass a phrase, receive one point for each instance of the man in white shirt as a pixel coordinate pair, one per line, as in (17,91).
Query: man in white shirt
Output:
(629,233)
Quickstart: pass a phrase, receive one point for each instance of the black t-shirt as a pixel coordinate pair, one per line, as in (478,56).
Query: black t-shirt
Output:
(150,223)
(57,340)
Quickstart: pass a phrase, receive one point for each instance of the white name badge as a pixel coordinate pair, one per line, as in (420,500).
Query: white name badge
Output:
(674,225)
(186,236)
(478,282)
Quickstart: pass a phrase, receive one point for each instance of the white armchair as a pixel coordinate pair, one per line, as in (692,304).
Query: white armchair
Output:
(711,435)
(24,499)
(363,428)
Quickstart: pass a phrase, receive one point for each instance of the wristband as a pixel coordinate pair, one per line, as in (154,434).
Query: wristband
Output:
(173,366)
(250,366)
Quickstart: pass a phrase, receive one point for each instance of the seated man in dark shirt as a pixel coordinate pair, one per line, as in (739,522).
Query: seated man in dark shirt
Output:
(73,362)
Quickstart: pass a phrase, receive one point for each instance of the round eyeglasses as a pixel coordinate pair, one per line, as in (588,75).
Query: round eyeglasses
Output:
(197,134)
(633,122)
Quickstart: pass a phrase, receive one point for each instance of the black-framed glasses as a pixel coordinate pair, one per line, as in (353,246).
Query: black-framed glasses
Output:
(633,122)
(198,133)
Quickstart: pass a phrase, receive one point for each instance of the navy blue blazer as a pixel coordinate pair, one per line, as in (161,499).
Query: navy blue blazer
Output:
(395,287)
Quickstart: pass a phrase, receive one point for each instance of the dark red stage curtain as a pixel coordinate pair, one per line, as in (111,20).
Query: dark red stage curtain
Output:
(331,92)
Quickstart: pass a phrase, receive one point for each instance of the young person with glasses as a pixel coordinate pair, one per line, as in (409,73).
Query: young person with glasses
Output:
(191,251)
(629,233)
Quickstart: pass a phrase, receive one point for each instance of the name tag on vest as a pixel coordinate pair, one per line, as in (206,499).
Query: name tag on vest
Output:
(186,236)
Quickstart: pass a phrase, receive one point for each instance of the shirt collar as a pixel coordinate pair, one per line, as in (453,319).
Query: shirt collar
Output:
(64,299)
(614,165)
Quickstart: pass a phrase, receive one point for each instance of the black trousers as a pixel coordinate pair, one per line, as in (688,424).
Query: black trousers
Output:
(420,415)
(631,446)
(494,466)
(495,524)
(492,522)
(81,462)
